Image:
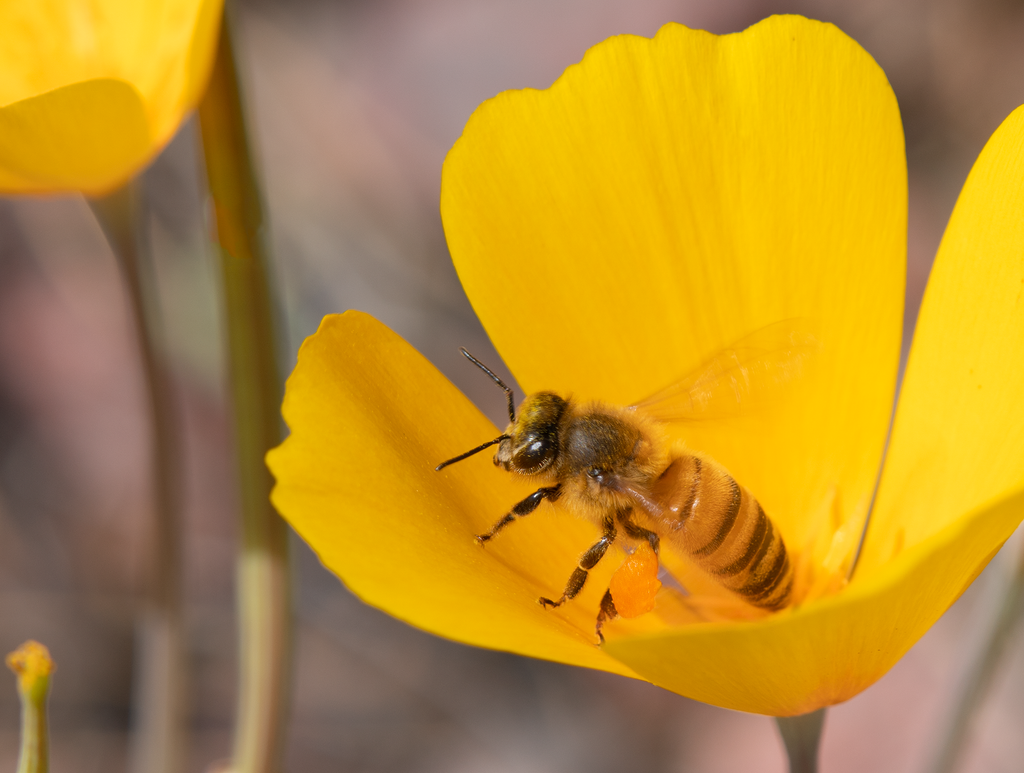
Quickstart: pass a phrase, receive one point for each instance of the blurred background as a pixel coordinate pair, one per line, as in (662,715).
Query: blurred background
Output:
(353,105)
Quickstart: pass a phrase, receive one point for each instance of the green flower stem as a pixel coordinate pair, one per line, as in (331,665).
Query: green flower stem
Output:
(977,681)
(34,755)
(32,664)
(263,572)
(802,737)
(158,734)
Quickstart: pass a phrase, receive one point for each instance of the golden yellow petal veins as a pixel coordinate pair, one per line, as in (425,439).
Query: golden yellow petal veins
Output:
(667,197)
(783,196)
(370,419)
(958,437)
(827,651)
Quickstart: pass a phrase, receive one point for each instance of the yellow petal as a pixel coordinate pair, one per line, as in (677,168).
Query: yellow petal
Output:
(951,493)
(81,136)
(953,486)
(69,66)
(958,439)
(828,651)
(370,419)
(667,197)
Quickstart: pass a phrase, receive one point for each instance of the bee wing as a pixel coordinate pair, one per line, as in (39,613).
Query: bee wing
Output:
(643,498)
(739,377)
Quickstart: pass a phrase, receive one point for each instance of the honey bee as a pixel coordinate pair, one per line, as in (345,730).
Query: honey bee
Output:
(617,466)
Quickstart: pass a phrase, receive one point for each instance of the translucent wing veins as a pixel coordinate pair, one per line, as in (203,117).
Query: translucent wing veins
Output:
(738,377)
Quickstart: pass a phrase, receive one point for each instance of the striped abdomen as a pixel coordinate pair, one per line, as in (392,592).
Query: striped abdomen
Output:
(722,527)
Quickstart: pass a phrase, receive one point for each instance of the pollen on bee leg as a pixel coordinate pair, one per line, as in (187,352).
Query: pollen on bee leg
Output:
(635,584)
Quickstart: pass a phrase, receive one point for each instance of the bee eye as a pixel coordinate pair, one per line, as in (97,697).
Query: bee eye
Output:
(532,455)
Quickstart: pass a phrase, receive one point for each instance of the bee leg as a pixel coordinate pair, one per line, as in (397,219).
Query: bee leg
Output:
(625,517)
(520,509)
(607,613)
(587,562)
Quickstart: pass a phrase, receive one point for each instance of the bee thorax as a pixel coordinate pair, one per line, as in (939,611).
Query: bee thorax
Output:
(600,446)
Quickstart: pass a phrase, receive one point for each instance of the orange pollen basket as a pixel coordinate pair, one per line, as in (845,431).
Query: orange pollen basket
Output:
(635,584)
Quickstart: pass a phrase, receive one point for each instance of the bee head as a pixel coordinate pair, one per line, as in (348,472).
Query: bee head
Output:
(530,444)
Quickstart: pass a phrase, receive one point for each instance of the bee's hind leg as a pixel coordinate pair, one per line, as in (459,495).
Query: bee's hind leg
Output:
(607,613)
(587,562)
(527,506)
(638,532)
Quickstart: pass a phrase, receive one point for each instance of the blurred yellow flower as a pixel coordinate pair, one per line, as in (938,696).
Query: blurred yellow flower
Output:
(91,90)
(660,201)
(32,664)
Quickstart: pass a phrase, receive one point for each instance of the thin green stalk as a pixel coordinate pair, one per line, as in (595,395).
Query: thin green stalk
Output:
(158,733)
(263,571)
(802,737)
(977,681)
(32,664)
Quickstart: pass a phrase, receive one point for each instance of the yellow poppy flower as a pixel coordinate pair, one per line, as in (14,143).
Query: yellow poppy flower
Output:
(91,90)
(662,200)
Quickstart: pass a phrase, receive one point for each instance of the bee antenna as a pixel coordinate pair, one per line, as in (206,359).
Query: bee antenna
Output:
(499,382)
(468,454)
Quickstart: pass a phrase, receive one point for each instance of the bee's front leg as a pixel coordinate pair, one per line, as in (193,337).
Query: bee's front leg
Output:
(527,506)
(587,562)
